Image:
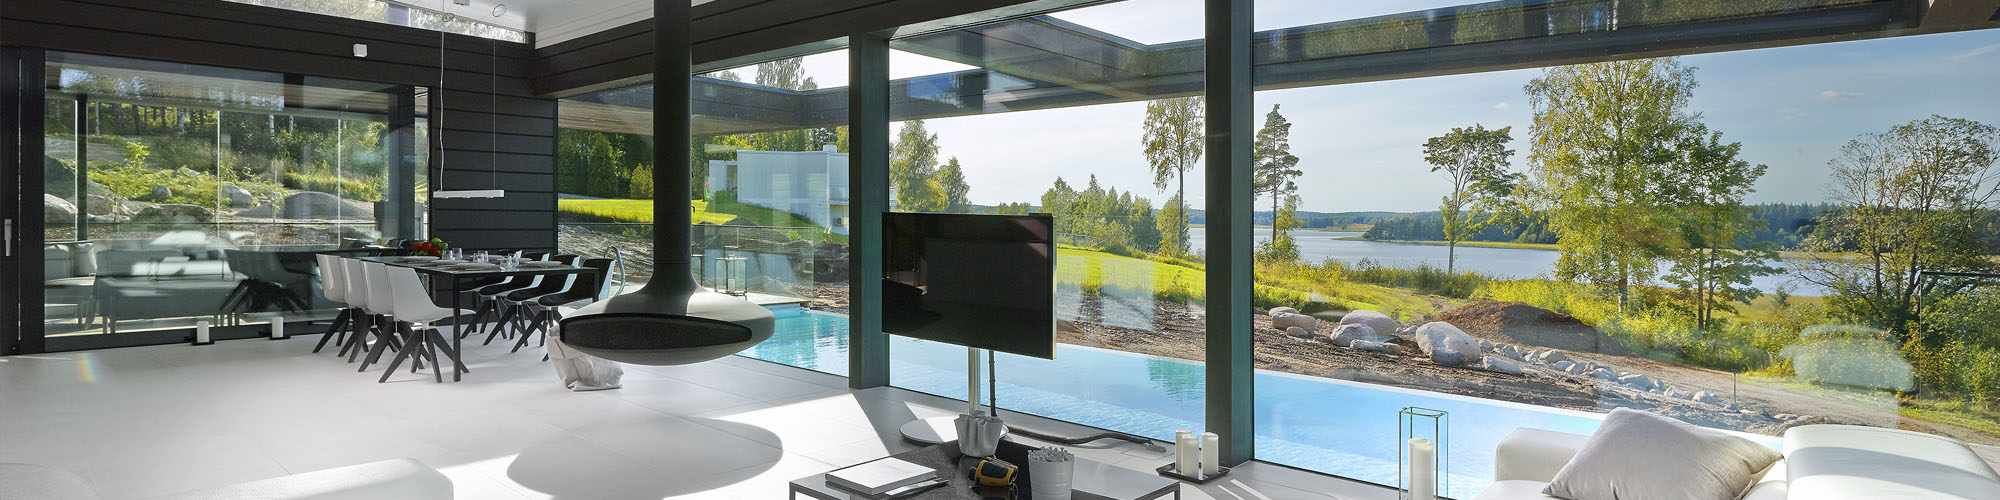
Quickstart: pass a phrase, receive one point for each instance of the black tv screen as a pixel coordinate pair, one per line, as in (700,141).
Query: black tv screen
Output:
(976,280)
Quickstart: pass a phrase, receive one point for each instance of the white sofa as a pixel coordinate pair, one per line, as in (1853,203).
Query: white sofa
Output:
(1822,462)
(400,479)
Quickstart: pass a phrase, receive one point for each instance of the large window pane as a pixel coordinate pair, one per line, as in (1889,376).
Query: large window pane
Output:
(770,194)
(1608,228)
(182,193)
(1033,124)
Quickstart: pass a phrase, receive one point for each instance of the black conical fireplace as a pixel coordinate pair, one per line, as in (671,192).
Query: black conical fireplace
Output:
(672,320)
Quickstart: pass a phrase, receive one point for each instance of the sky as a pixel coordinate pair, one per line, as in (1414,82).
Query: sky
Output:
(1360,145)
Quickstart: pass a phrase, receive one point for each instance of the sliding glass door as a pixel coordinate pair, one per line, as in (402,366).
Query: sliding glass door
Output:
(175,198)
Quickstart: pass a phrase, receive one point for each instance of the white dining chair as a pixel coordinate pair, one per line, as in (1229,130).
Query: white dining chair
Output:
(333,286)
(413,306)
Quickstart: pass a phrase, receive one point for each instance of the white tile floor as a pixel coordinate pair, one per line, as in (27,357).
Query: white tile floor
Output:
(145,421)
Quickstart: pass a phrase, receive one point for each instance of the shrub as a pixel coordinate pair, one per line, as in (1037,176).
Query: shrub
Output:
(1424,278)
(347,188)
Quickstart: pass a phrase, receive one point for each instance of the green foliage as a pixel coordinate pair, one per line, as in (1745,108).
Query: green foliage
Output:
(1475,161)
(1275,167)
(1172,138)
(913,170)
(137,183)
(368,190)
(1100,217)
(642,182)
(1172,226)
(1908,200)
(1424,278)
(1282,247)
(957,194)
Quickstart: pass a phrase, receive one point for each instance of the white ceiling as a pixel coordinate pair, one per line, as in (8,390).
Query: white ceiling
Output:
(551,21)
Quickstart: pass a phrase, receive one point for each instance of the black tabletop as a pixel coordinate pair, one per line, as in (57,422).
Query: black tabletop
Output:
(1091,480)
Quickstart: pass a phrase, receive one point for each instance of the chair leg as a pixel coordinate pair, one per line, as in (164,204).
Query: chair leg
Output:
(339,321)
(529,332)
(363,326)
(437,337)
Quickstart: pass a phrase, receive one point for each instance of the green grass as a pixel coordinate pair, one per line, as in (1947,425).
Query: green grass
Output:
(1176,280)
(641,212)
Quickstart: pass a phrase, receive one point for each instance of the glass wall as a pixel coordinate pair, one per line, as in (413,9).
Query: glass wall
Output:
(178,193)
(770,193)
(402,14)
(1532,244)
(1048,114)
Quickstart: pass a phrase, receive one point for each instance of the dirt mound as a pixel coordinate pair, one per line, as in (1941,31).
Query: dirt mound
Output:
(1518,323)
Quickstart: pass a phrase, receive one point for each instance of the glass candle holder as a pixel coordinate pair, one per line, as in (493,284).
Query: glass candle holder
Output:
(1423,463)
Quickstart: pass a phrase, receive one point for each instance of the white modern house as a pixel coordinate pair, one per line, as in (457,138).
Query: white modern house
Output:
(809,183)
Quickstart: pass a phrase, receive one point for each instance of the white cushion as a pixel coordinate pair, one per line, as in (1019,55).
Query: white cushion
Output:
(1535,454)
(399,479)
(41,482)
(1836,462)
(1516,489)
(1637,455)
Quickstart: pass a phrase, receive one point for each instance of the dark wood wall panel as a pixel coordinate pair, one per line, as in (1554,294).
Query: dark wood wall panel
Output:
(485,89)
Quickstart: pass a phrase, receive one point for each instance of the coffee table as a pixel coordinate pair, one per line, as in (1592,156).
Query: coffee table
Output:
(1093,480)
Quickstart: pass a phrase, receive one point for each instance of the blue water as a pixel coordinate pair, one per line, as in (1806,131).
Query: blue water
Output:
(1338,427)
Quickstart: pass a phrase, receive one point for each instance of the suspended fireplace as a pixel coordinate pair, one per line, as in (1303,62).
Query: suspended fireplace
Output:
(672,320)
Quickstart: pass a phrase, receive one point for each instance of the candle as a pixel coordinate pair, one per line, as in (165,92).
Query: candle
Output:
(1186,453)
(1211,454)
(201,332)
(277,327)
(1423,467)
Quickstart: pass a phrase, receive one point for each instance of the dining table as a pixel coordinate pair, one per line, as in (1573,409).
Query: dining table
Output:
(453,276)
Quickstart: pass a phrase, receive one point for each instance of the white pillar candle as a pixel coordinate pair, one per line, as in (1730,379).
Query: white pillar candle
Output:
(277,327)
(201,332)
(1211,454)
(1187,453)
(1423,468)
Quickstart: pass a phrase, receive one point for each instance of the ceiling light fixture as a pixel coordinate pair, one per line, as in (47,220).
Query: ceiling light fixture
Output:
(438,118)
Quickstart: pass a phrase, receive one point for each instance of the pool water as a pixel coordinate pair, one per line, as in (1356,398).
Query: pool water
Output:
(1337,427)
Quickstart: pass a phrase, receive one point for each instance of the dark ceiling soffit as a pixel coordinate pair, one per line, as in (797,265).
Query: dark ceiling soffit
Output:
(1177,71)
(785,28)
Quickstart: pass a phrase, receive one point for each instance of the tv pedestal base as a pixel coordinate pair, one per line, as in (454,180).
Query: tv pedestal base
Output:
(935,430)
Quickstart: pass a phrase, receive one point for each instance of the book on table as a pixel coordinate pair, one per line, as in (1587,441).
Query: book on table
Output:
(879,476)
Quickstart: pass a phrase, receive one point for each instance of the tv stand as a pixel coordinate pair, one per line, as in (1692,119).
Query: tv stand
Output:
(936,430)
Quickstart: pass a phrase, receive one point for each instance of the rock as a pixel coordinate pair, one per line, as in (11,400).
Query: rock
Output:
(159,193)
(1288,320)
(1510,352)
(1785,416)
(1706,397)
(58,177)
(1604,373)
(1562,366)
(1520,323)
(1344,335)
(1679,394)
(1281,309)
(264,211)
(1446,344)
(1298,332)
(174,214)
(317,205)
(1377,321)
(106,219)
(1373,346)
(1501,365)
(1637,381)
(186,172)
(1577,369)
(236,196)
(1485,345)
(1552,355)
(57,211)
(99,205)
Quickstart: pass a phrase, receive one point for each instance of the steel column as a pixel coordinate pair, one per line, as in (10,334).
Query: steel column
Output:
(1230,101)
(868,173)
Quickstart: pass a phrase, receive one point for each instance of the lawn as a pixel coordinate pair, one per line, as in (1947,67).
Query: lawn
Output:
(641,212)
(1179,281)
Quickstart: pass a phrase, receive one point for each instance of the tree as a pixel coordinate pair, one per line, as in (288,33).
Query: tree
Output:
(1603,137)
(956,192)
(913,163)
(1907,200)
(1474,159)
(642,182)
(1172,223)
(1274,163)
(1173,144)
(1282,247)
(1712,273)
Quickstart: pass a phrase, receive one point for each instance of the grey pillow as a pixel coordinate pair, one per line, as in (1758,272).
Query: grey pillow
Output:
(1637,455)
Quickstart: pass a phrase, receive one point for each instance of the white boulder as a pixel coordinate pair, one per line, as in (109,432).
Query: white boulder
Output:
(1707,397)
(1283,321)
(1447,345)
(1637,381)
(1381,323)
(1577,369)
(1500,365)
(1346,334)
(1551,356)
(1604,373)
(1562,366)
(1373,346)
(1281,309)
(1298,332)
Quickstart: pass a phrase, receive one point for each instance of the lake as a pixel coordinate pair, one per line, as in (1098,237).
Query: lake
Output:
(1317,246)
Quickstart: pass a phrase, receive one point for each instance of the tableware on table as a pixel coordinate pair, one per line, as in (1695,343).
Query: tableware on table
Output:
(542,263)
(419,258)
(474,266)
(1050,470)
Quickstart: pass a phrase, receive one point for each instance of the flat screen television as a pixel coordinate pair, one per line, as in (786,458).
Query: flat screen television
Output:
(976,280)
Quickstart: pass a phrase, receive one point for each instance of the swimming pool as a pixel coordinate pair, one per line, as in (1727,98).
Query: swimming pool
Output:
(1334,426)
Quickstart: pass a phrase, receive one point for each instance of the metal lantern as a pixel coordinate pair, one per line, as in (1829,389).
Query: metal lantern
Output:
(1423,463)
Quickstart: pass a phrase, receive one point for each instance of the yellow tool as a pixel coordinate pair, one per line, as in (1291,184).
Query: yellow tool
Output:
(993,472)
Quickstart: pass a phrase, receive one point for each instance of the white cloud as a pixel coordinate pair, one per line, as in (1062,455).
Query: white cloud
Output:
(1790,113)
(1828,95)
(1502,105)
(1977,52)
